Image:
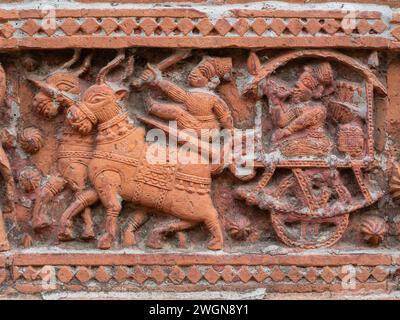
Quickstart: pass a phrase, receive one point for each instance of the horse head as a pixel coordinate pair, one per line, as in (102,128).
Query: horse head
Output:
(101,102)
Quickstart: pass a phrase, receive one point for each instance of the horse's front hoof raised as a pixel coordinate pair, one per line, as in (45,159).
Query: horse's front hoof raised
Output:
(105,242)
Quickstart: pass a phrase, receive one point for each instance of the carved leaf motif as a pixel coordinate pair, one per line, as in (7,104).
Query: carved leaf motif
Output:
(374,229)
(253,63)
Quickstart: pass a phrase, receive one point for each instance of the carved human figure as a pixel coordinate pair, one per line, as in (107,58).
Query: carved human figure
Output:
(120,170)
(74,149)
(6,176)
(196,108)
(299,112)
(9,199)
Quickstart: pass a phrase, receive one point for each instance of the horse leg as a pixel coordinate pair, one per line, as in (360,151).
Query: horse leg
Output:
(213,224)
(4,244)
(139,217)
(83,200)
(217,240)
(53,187)
(108,185)
(155,239)
(88,232)
(77,175)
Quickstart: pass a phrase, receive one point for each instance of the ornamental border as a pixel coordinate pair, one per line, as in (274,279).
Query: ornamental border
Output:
(177,27)
(29,273)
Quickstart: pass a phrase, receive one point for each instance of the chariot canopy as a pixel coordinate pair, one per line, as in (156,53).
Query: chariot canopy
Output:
(275,63)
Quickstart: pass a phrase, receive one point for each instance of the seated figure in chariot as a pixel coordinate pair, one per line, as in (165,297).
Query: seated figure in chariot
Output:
(300,113)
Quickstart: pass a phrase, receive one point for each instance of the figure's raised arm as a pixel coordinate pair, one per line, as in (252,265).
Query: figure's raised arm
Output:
(153,75)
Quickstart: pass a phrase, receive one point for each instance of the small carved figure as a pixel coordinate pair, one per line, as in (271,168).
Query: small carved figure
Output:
(301,122)
(193,109)
(8,203)
(74,149)
(9,198)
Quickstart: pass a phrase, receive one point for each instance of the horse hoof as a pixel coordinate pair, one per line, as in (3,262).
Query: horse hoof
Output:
(65,235)
(105,242)
(154,244)
(41,224)
(128,239)
(4,246)
(88,235)
(215,245)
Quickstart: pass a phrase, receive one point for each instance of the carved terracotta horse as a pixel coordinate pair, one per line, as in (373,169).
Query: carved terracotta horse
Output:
(120,170)
(74,150)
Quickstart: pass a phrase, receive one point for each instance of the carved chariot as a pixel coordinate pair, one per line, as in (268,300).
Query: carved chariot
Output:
(308,201)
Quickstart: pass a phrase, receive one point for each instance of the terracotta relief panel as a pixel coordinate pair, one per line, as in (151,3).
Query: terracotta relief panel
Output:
(217,146)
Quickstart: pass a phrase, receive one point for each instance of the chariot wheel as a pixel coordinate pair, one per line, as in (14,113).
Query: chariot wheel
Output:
(309,232)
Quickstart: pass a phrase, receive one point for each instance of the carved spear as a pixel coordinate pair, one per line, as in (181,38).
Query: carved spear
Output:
(183,137)
(53,91)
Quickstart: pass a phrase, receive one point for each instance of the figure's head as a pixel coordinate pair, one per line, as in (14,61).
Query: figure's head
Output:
(324,73)
(275,88)
(64,80)
(100,102)
(312,82)
(208,69)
